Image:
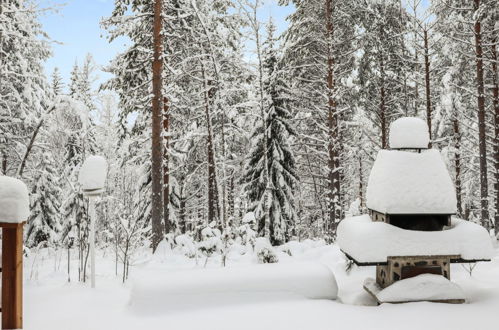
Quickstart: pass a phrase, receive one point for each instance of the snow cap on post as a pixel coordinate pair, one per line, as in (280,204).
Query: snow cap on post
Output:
(409,133)
(93,174)
(14,200)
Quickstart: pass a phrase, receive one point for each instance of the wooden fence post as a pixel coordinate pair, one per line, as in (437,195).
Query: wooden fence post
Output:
(12,275)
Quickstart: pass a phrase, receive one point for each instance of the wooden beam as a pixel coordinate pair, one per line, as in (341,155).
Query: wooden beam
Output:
(12,276)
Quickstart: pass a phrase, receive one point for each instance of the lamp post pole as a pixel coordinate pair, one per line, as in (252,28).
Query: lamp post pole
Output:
(91,202)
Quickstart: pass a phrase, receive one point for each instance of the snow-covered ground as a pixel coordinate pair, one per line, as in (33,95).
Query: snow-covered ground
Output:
(53,303)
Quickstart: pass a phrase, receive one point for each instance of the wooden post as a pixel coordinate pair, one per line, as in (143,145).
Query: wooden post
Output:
(12,275)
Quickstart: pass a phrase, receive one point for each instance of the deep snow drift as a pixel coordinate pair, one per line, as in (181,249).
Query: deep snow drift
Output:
(53,303)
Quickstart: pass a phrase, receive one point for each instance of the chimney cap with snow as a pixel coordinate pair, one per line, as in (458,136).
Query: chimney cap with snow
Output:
(409,133)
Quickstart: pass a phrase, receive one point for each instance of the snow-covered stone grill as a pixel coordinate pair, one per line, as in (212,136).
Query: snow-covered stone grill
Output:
(410,230)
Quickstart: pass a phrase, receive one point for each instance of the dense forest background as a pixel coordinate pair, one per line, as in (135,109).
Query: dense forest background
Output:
(286,128)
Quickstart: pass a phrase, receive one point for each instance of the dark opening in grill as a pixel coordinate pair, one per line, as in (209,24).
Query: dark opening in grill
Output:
(423,222)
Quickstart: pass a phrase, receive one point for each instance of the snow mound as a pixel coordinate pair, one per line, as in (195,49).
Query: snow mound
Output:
(207,287)
(249,217)
(93,173)
(369,241)
(409,133)
(406,182)
(423,287)
(14,200)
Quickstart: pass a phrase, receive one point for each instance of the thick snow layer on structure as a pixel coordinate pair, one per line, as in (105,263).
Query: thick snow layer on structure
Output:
(309,280)
(404,182)
(419,288)
(369,241)
(14,200)
(93,173)
(409,132)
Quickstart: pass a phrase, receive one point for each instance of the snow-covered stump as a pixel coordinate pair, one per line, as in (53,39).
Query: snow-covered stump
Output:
(14,211)
(92,178)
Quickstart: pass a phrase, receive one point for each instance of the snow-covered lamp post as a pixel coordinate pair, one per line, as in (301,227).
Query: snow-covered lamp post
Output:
(14,211)
(92,178)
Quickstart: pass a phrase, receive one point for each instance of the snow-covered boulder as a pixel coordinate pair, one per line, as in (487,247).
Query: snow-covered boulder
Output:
(404,182)
(204,288)
(14,200)
(409,133)
(93,174)
(369,241)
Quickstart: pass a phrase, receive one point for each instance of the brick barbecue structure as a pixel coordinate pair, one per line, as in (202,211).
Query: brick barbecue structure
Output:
(410,230)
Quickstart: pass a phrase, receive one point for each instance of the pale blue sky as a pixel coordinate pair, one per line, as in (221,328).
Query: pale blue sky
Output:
(76,26)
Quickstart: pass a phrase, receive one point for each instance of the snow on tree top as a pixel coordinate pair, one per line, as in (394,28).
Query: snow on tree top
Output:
(409,133)
(404,182)
(93,173)
(14,200)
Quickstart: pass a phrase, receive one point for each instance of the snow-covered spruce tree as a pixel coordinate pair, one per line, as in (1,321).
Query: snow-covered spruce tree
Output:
(271,148)
(44,223)
(57,83)
(24,91)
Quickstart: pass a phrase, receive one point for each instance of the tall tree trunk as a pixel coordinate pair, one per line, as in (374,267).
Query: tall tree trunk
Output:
(166,166)
(4,163)
(382,105)
(361,184)
(495,91)
(333,159)
(212,183)
(457,163)
(484,194)
(230,197)
(427,83)
(157,145)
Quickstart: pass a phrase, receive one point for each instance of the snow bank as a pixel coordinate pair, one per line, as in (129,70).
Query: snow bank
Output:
(93,173)
(204,287)
(409,132)
(14,200)
(423,287)
(369,241)
(407,182)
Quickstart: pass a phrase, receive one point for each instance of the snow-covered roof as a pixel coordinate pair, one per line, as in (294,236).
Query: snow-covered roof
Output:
(409,133)
(403,182)
(14,200)
(93,173)
(371,242)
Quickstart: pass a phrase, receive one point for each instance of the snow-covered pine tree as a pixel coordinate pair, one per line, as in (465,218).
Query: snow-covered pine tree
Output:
(319,50)
(271,148)
(44,223)
(382,63)
(469,29)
